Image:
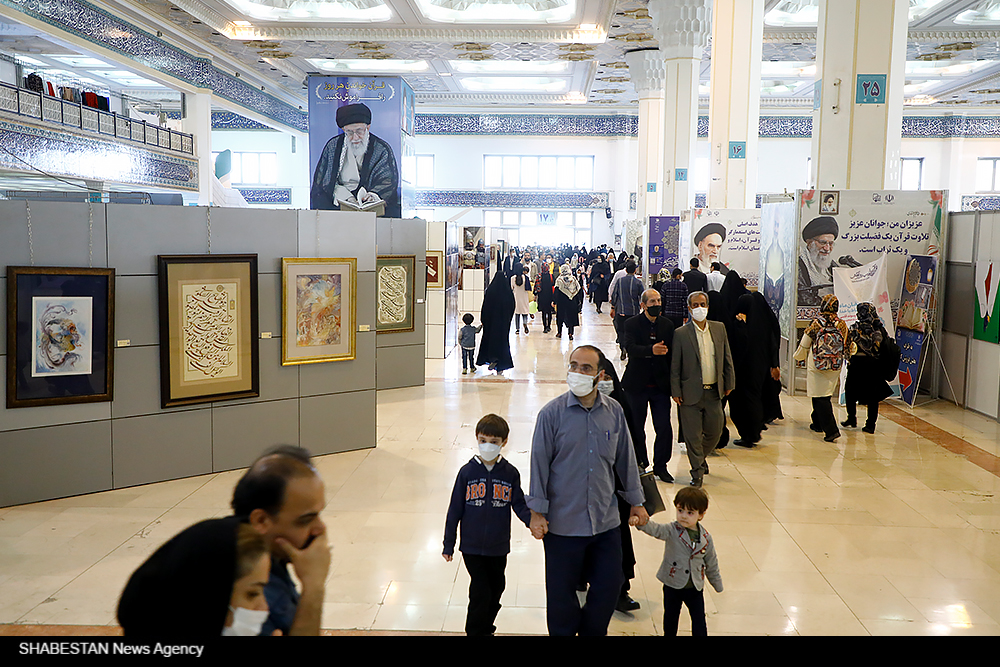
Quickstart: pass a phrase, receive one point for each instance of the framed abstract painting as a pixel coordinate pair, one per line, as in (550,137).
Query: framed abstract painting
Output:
(435,269)
(319,309)
(60,328)
(208,328)
(394,292)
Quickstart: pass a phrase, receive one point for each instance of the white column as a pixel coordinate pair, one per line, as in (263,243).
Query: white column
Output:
(734,106)
(682,30)
(856,145)
(648,72)
(198,122)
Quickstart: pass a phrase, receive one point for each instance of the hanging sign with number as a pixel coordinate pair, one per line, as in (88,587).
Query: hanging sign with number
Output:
(737,150)
(871,89)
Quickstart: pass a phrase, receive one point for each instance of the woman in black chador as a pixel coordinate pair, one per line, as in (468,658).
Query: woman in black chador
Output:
(498,311)
(749,340)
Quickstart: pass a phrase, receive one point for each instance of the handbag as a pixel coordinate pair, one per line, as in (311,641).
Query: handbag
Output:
(654,501)
(533,307)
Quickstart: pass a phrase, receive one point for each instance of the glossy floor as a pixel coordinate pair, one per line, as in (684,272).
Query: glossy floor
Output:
(887,534)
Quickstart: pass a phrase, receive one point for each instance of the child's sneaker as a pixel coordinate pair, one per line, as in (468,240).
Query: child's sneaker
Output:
(465,371)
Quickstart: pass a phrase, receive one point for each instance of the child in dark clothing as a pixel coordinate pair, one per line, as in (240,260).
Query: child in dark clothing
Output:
(486,490)
(467,340)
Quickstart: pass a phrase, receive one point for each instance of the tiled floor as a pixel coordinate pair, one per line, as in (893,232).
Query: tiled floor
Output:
(885,534)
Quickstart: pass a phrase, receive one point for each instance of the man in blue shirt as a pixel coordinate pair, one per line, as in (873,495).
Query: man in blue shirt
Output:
(581,440)
(281,496)
(625,301)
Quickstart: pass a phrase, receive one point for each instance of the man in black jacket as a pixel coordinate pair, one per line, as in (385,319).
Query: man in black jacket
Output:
(695,280)
(648,339)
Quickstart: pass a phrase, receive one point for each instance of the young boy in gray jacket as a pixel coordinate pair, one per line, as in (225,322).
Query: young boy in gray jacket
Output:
(688,559)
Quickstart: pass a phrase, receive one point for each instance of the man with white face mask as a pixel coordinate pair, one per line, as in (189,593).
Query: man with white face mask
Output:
(701,373)
(581,439)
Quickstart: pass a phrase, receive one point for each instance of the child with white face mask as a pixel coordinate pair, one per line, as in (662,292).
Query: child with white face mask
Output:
(486,490)
(206,581)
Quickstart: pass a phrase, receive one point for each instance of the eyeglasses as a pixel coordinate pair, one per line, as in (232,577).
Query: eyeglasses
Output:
(825,244)
(357,134)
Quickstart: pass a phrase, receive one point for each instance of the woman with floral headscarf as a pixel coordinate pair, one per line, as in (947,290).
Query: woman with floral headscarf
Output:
(865,383)
(568,300)
(824,347)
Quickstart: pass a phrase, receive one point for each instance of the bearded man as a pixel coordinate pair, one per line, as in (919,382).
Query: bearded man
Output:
(708,241)
(366,161)
(816,261)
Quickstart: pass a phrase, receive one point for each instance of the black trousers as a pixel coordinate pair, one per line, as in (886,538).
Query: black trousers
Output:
(852,413)
(659,403)
(546,320)
(673,598)
(822,415)
(487,585)
(595,560)
(619,322)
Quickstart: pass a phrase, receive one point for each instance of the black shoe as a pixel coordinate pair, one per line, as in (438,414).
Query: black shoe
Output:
(696,483)
(623,355)
(626,604)
(868,429)
(850,423)
(743,443)
(704,468)
(831,438)
(665,477)
(815,428)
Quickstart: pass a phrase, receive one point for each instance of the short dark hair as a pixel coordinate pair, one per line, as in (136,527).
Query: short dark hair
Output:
(263,485)
(716,266)
(630,266)
(676,273)
(467,318)
(694,262)
(493,426)
(691,498)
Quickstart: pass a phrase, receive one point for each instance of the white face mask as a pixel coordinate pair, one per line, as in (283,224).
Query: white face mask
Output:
(606,387)
(699,314)
(246,622)
(580,384)
(488,451)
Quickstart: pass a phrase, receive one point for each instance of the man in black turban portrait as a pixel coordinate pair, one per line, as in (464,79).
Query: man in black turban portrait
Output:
(816,262)
(353,160)
(708,242)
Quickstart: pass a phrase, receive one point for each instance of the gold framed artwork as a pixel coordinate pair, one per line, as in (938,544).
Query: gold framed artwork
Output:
(319,309)
(435,269)
(394,293)
(209,348)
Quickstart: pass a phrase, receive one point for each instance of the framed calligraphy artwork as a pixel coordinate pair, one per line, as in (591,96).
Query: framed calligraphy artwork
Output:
(435,269)
(208,328)
(319,309)
(394,293)
(60,328)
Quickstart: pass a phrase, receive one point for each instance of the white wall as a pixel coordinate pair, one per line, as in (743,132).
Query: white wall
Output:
(293,168)
(458,165)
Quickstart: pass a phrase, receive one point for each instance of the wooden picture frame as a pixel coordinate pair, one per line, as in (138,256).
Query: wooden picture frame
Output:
(209,334)
(394,293)
(318,309)
(60,335)
(436,269)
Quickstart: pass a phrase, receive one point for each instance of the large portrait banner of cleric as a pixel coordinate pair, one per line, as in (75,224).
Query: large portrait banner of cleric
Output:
(355,143)
(851,228)
(730,237)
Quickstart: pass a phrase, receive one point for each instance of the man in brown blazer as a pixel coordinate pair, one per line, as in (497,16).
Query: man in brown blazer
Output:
(701,374)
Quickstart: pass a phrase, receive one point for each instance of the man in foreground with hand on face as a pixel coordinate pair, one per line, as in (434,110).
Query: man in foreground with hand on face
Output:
(281,496)
(580,441)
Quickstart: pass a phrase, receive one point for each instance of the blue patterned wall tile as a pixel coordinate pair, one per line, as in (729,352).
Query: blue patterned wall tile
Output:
(980,203)
(576,125)
(104,29)
(633,200)
(267,195)
(73,156)
(520,199)
(227,120)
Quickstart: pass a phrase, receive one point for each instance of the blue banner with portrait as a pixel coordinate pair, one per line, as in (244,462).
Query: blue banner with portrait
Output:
(356,143)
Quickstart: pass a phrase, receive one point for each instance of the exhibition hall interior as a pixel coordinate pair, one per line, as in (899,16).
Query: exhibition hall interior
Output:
(231,225)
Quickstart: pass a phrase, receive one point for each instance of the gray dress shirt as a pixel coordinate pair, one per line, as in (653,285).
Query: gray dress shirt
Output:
(574,455)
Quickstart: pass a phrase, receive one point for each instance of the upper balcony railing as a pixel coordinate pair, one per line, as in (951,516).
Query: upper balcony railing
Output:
(43,107)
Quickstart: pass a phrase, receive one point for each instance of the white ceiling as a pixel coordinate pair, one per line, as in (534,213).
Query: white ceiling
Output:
(570,55)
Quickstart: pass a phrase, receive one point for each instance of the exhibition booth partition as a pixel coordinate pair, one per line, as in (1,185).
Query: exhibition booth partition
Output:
(147,343)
